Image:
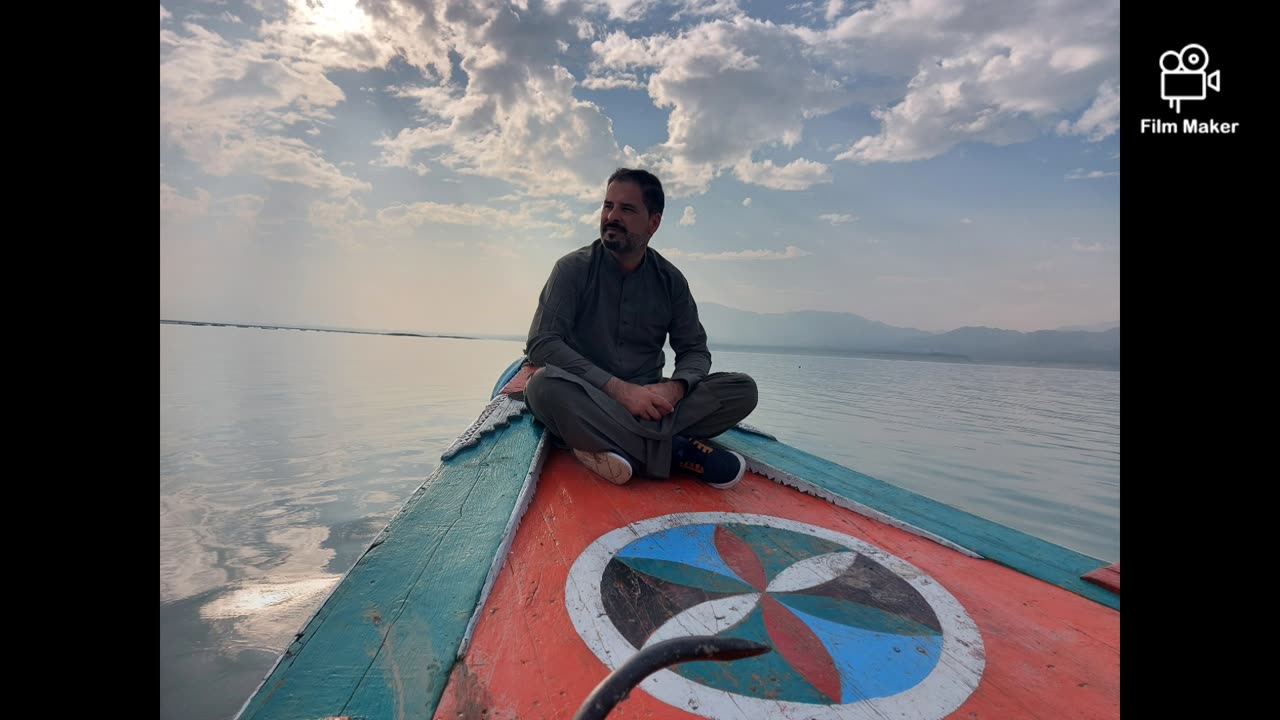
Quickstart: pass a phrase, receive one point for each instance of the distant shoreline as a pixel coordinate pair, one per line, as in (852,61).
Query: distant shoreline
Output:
(390,333)
(949,358)
(844,352)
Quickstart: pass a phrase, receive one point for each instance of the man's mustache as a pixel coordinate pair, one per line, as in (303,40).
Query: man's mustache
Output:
(615,227)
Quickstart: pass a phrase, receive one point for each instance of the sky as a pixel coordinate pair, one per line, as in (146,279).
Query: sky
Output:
(420,165)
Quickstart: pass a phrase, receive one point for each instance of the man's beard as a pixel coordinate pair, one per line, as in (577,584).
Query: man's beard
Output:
(621,242)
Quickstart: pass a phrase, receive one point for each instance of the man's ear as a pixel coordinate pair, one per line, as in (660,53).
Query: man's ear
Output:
(654,221)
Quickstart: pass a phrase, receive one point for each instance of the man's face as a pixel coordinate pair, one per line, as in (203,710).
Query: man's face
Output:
(625,223)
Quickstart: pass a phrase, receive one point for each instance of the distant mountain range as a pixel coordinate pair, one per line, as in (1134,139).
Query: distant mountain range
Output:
(853,334)
(1100,327)
(811,331)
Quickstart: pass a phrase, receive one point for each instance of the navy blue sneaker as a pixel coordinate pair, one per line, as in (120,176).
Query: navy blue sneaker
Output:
(716,467)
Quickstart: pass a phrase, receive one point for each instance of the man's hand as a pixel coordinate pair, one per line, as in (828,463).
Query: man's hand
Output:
(641,401)
(672,391)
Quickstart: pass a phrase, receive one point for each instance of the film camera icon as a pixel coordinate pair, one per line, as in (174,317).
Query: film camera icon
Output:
(1183,76)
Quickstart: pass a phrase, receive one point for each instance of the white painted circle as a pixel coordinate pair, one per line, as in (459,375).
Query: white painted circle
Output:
(952,680)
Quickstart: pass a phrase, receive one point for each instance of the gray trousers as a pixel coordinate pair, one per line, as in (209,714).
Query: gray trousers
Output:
(585,418)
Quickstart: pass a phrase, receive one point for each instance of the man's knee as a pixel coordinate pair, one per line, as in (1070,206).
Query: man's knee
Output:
(547,395)
(533,387)
(747,392)
(737,393)
(540,392)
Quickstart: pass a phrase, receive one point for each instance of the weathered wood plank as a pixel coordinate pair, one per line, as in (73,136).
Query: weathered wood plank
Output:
(384,642)
(1021,551)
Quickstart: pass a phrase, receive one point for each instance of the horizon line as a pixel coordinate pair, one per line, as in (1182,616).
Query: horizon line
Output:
(522,336)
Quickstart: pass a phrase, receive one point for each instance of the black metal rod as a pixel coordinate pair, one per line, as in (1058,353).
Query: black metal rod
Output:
(615,688)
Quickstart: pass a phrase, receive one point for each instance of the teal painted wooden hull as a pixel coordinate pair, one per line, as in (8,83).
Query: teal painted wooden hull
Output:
(384,643)
(1007,546)
(397,619)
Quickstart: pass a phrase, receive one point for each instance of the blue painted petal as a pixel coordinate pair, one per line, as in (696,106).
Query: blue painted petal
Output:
(873,664)
(692,545)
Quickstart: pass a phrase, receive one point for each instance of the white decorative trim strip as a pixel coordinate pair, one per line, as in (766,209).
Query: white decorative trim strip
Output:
(785,478)
(754,430)
(498,413)
(504,549)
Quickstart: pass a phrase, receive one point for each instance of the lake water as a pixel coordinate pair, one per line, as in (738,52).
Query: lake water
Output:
(283,452)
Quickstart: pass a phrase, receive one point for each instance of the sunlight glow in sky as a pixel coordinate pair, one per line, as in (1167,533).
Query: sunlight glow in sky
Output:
(419,165)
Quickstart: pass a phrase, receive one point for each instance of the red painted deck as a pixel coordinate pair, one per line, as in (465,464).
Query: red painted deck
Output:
(1048,653)
(518,381)
(1107,577)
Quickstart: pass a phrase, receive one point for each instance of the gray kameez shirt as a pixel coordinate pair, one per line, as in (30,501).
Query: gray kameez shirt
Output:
(596,322)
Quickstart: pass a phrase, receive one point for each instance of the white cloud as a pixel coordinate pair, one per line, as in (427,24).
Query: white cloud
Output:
(438,101)
(610,81)
(175,206)
(987,72)
(733,87)
(271,9)
(993,74)
(689,217)
(495,89)
(624,10)
(837,218)
(1101,119)
(228,104)
(996,72)
(967,221)
(244,208)
(516,117)
(737,89)
(631,11)
(586,30)
(1080,174)
(790,253)
(799,174)
(834,9)
(341,212)
(707,8)
(225,105)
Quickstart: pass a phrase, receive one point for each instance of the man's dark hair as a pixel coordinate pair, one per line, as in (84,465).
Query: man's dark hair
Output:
(650,187)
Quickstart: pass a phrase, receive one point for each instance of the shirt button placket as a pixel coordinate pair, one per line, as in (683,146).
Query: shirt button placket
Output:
(622,313)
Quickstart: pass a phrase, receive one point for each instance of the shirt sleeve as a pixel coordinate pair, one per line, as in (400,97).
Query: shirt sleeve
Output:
(553,324)
(688,338)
